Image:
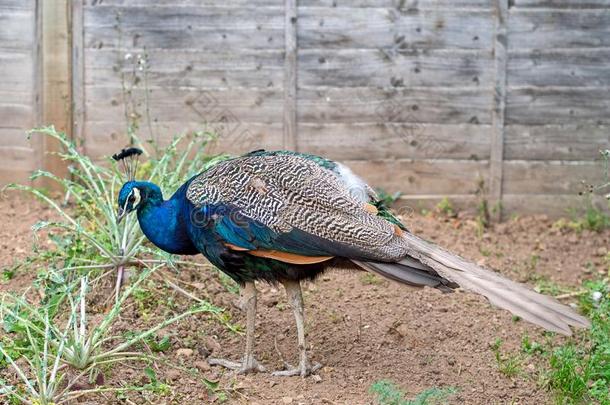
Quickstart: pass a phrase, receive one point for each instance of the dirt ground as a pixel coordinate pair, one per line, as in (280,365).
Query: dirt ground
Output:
(362,329)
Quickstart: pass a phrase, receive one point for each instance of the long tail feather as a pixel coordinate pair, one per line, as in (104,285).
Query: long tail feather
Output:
(430,265)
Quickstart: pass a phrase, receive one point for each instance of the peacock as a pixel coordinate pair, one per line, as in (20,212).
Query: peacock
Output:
(283,217)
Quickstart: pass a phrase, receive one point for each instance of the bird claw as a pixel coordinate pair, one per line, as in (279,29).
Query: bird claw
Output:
(304,370)
(248,365)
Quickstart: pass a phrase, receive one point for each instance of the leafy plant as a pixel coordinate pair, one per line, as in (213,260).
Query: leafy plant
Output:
(445,207)
(509,364)
(90,238)
(388,393)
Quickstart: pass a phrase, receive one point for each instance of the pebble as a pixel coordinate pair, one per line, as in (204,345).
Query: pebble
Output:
(212,344)
(287,400)
(602,251)
(316,378)
(173,374)
(202,365)
(184,352)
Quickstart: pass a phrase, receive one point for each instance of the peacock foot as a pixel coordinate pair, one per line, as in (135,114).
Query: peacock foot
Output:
(248,365)
(304,369)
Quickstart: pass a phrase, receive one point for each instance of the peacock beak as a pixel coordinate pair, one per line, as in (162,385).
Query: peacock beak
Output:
(120,214)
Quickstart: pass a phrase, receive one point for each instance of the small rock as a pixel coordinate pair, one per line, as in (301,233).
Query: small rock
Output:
(173,374)
(316,378)
(184,352)
(212,344)
(272,383)
(202,365)
(402,330)
(286,400)
(602,251)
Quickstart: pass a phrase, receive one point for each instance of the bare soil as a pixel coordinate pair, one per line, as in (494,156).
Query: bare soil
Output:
(361,328)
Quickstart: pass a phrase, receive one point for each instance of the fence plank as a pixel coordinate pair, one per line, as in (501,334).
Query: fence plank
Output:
(16,70)
(540,106)
(558,205)
(324,27)
(498,110)
(350,141)
(563,67)
(550,177)
(556,142)
(401,5)
(290,140)
(78,73)
(190,68)
(195,105)
(535,29)
(17,30)
(106,137)
(413,177)
(577,4)
(377,68)
(424,105)
(56,80)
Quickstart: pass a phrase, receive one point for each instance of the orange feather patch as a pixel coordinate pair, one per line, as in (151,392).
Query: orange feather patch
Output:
(370,208)
(281,256)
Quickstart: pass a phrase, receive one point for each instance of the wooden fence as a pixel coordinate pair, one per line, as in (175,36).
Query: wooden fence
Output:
(432,98)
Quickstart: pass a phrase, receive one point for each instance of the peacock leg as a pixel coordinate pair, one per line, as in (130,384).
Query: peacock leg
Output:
(249,363)
(295,298)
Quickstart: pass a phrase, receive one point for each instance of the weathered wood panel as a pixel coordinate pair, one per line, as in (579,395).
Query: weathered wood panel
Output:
(351,141)
(556,142)
(181,3)
(366,104)
(17,28)
(563,105)
(427,177)
(189,104)
(575,4)
(373,28)
(544,29)
(191,68)
(184,27)
(105,138)
(550,177)
(558,205)
(17,33)
(560,67)
(407,68)
(16,70)
(401,5)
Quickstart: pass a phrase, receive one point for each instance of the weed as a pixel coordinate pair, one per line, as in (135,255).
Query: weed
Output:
(508,364)
(370,279)
(388,393)
(445,207)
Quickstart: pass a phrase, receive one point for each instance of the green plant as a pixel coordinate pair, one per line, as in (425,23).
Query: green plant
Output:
(388,393)
(509,364)
(90,238)
(445,207)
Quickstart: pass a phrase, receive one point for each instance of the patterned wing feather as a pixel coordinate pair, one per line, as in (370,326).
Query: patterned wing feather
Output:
(289,192)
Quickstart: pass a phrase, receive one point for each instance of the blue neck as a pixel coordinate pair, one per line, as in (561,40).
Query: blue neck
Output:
(163,223)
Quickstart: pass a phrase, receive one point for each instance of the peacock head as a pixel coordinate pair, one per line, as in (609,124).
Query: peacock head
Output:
(135,195)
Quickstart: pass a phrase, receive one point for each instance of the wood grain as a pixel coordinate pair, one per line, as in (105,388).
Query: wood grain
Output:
(369,105)
(548,29)
(560,67)
(328,27)
(352,141)
(406,68)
